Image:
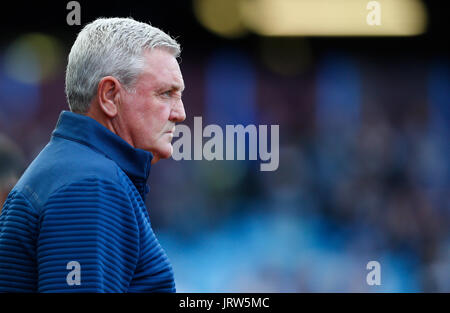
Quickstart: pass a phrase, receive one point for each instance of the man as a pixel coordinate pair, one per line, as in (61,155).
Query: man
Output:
(76,220)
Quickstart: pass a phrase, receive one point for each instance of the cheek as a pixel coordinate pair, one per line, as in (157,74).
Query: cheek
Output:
(153,120)
(136,117)
(148,116)
(160,114)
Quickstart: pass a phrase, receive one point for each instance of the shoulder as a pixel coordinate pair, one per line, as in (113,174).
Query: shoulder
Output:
(63,163)
(93,198)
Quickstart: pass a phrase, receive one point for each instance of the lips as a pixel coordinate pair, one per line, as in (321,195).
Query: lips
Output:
(171,131)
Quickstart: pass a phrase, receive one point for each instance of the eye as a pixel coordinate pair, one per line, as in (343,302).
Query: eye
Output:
(167,93)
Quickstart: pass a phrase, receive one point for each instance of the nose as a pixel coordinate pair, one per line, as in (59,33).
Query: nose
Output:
(178,114)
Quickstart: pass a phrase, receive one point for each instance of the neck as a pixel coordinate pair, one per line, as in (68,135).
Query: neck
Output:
(111,124)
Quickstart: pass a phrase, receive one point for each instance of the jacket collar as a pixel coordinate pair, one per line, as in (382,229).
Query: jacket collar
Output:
(83,129)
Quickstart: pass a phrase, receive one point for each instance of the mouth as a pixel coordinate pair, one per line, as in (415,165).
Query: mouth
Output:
(171,131)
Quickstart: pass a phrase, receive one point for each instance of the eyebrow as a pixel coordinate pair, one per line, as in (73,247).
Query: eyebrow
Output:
(177,87)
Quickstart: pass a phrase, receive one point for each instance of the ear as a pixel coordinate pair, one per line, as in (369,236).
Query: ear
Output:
(107,94)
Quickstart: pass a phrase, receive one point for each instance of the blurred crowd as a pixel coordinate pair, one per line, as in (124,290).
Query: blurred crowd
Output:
(351,187)
(363,174)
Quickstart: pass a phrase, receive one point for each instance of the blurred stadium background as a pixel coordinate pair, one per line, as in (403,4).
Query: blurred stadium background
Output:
(364,139)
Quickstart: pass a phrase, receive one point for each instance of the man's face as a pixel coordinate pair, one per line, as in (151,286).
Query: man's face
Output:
(149,114)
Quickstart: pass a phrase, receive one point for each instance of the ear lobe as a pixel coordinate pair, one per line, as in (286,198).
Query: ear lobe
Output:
(108,92)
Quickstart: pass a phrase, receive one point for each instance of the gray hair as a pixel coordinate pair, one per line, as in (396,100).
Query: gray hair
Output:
(110,47)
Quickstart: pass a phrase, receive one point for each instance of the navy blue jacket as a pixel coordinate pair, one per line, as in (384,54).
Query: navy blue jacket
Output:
(76,221)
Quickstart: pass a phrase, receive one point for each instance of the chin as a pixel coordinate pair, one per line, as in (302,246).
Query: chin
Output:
(165,153)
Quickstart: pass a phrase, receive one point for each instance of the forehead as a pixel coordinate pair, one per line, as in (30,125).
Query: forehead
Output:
(161,68)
